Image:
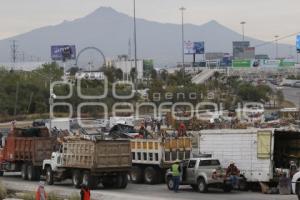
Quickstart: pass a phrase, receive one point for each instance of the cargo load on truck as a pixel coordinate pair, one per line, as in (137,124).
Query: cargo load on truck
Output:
(152,157)
(24,151)
(90,162)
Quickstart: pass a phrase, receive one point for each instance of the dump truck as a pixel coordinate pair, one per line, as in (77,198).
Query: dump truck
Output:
(24,151)
(260,154)
(152,157)
(90,162)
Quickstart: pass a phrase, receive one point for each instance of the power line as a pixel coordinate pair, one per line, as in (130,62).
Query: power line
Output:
(276,40)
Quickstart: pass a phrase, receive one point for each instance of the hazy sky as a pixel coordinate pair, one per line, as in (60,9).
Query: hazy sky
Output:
(265,18)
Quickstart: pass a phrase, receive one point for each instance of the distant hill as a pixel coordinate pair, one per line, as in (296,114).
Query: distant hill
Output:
(110,31)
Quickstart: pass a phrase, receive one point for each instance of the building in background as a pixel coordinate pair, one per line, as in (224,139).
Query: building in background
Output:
(144,67)
(242,50)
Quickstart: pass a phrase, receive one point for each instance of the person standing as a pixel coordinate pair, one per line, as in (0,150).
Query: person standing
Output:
(41,193)
(85,193)
(175,169)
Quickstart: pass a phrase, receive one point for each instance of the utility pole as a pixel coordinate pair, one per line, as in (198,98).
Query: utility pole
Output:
(276,45)
(182,9)
(17,97)
(135,46)
(243,29)
(13,50)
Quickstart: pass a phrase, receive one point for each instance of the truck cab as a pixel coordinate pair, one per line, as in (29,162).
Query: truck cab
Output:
(55,161)
(201,173)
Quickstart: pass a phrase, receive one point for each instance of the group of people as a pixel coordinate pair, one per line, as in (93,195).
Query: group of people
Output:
(155,125)
(41,194)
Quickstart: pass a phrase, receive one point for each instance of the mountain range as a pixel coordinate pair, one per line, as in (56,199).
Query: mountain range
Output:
(110,31)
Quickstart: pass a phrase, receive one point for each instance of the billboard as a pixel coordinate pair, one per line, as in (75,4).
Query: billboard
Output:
(63,52)
(298,44)
(199,47)
(189,47)
(193,47)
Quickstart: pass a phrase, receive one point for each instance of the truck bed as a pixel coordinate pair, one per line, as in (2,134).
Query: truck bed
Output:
(29,149)
(97,156)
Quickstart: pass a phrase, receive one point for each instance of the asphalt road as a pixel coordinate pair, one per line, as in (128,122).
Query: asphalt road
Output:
(142,192)
(292,95)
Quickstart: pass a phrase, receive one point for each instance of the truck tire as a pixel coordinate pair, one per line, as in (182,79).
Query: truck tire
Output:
(38,171)
(1,173)
(77,178)
(31,173)
(150,175)
(202,186)
(49,176)
(24,171)
(122,181)
(136,174)
(89,180)
(170,183)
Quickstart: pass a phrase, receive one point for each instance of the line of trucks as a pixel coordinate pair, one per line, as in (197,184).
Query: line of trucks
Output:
(35,153)
(260,154)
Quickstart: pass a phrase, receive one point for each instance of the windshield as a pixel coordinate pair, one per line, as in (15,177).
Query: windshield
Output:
(209,163)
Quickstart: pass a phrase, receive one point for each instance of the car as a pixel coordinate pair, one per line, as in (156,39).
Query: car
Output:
(200,174)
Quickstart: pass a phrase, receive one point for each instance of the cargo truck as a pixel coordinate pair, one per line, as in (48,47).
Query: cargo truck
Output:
(260,154)
(90,163)
(24,151)
(152,157)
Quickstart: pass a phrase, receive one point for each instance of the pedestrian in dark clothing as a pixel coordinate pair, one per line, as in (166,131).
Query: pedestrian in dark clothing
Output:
(158,126)
(233,172)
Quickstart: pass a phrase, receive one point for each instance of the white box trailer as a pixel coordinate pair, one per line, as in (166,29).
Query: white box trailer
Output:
(256,152)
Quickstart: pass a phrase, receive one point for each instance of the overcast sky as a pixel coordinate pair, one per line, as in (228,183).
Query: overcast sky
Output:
(265,18)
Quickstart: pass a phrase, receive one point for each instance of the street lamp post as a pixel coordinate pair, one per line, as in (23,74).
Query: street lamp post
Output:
(243,29)
(182,9)
(135,46)
(276,45)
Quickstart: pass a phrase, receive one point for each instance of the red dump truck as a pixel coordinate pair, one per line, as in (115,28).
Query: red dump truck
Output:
(24,151)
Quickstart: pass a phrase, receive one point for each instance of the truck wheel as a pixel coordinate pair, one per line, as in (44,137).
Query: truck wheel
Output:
(89,180)
(150,175)
(170,183)
(49,176)
(122,181)
(136,174)
(38,171)
(31,173)
(77,179)
(1,173)
(202,187)
(24,171)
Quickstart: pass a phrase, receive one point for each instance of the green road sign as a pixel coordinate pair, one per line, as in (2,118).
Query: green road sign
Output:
(241,63)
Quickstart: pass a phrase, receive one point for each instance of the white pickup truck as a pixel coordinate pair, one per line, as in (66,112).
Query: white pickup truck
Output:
(201,173)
